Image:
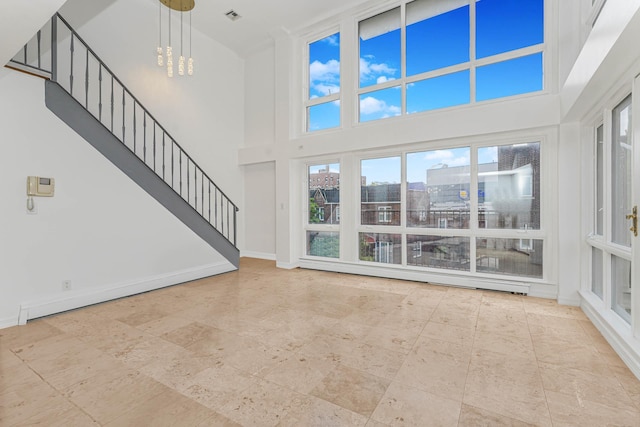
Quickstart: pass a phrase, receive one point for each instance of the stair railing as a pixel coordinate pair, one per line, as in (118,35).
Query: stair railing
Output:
(79,70)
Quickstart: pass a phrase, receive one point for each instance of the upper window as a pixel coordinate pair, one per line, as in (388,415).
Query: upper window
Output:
(446,63)
(323,101)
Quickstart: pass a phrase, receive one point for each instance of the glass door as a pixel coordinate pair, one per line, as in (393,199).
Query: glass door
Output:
(614,253)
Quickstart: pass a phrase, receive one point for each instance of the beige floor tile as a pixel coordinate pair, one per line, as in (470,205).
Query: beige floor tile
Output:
(27,401)
(569,354)
(552,308)
(476,417)
(300,373)
(178,371)
(506,397)
(190,333)
(437,367)
(629,382)
(73,366)
(521,368)
(166,409)
(19,336)
(352,389)
(505,344)
(374,360)
(397,340)
(320,413)
(461,314)
(99,396)
(406,406)
(569,411)
(143,315)
(426,296)
(449,333)
(216,385)
(164,325)
(264,404)
(586,386)
(147,351)
(267,346)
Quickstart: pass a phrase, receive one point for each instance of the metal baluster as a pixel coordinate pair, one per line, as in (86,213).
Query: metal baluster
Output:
(235,223)
(228,219)
(222,214)
(123,130)
(24,51)
(100,92)
(154,146)
(209,202)
(188,179)
(202,189)
(54,48)
(215,207)
(86,80)
(112,103)
(195,185)
(71,73)
(38,36)
(163,150)
(173,148)
(135,125)
(180,163)
(144,140)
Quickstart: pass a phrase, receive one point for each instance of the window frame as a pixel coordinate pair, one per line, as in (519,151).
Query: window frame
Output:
(309,102)
(471,65)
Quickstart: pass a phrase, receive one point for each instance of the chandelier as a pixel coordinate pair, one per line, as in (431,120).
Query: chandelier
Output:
(181,6)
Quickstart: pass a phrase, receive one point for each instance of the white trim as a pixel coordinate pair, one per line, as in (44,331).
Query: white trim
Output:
(425,276)
(258,255)
(287,265)
(614,330)
(8,322)
(82,298)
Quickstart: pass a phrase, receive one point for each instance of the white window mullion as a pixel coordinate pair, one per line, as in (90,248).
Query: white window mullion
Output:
(472,52)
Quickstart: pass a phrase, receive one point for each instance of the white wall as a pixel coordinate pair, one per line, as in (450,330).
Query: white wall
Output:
(260,210)
(100,230)
(21,20)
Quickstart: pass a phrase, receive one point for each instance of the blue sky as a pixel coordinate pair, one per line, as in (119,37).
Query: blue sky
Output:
(433,42)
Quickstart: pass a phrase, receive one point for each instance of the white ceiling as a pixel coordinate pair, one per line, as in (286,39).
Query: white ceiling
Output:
(259,17)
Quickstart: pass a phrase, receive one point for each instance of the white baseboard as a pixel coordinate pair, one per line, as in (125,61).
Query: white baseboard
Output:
(258,255)
(404,273)
(287,265)
(8,322)
(615,331)
(81,298)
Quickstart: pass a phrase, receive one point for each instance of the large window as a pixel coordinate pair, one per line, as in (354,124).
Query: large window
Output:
(474,209)
(445,62)
(323,98)
(323,210)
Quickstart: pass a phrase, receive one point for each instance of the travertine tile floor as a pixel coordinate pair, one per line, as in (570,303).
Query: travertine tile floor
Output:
(265,347)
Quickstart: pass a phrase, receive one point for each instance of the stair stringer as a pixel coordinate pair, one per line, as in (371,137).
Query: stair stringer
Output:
(70,111)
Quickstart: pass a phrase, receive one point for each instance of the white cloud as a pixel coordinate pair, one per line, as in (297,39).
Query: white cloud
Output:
(369,70)
(325,72)
(383,79)
(371,105)
(331,40)
(448,157)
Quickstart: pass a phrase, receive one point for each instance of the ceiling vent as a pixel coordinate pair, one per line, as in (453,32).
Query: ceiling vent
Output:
(233,15)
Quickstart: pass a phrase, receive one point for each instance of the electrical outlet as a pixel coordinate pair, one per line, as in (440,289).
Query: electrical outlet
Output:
(66,285)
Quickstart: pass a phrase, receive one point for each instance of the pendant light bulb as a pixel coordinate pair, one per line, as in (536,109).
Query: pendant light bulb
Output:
(190,66)
(181,65)
(169,61)
(160,57)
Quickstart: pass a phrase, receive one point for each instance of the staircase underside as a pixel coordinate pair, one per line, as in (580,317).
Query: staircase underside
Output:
(79,119)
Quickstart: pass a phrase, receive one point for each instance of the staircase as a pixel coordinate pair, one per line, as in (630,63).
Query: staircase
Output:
(83,92)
